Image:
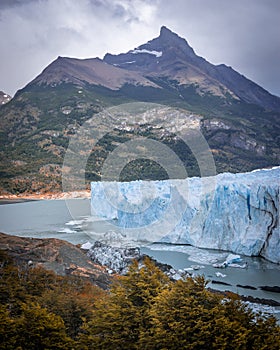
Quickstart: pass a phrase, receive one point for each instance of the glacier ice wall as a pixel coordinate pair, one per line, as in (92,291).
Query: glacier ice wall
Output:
(234,212)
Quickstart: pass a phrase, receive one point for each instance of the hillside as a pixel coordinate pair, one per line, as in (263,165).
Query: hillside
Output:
(52,254)
(238,118)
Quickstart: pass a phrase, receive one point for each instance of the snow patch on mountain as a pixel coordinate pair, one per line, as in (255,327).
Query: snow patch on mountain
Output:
(153,52)
(4,98)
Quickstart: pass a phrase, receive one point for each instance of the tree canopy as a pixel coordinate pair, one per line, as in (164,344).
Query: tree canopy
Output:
(142,310)
(145,310)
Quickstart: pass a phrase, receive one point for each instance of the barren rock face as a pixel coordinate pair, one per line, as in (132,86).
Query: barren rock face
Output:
(4,98)
(53,254)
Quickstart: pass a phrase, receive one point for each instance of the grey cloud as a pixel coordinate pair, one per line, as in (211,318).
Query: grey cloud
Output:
(107,8)
(13,3)
(243,34)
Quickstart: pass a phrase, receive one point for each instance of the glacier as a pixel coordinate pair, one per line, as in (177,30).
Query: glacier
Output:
(231,212)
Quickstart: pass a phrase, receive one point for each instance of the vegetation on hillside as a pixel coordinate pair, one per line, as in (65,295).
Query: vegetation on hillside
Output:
(143,310)
(36,125)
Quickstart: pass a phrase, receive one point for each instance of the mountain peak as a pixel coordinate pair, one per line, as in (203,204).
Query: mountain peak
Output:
(167,46)
(167,35)
(170,41)
(229,109)
(166,32)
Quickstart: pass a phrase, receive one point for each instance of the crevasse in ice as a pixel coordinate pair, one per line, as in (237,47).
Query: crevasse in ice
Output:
(234,212)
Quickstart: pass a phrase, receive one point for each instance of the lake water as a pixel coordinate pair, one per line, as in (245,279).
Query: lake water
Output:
(71,220)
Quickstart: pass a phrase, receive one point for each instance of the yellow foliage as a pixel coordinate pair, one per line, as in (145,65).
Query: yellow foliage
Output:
(142,310)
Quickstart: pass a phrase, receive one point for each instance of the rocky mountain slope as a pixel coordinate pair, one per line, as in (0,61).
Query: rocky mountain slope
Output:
(89,71)
(171,57)
(239,119)
(53,254)
(4,98)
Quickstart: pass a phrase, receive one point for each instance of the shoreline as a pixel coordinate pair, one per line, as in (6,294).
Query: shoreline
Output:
(5,201)
(13,198)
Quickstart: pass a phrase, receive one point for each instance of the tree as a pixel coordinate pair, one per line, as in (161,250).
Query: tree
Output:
(39,307)
(145,310)
(37,329)
(8,333)
(119,318)
(73,302)
(188,316)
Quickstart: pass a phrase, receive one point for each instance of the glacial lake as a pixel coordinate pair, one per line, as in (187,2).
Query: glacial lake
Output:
(71,220)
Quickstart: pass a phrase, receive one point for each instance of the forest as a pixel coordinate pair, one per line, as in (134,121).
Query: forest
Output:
(142,310)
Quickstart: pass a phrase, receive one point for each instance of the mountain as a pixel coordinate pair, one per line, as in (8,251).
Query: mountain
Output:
(4,98)
(238,118)
(171,56)
(89,71)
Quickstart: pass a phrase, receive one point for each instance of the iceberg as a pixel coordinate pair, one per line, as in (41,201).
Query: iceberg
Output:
(232,260)
(219,274)
(119,259)
(87,246)
(232,212)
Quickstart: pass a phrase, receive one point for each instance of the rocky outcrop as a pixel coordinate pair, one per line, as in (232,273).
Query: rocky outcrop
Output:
(53,254)
(224,133)
(4,98)
(116,259)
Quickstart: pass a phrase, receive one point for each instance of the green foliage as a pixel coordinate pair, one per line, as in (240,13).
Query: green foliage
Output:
(143,169)
(8,330)
(36,125)
(39,329)
(71,303)
(187,316)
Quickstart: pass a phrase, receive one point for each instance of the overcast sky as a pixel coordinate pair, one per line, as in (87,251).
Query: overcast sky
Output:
(243,34)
